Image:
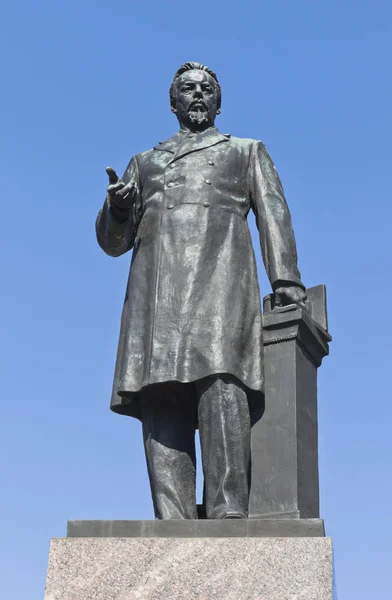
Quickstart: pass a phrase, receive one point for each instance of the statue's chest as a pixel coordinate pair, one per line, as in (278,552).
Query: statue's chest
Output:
(214,168)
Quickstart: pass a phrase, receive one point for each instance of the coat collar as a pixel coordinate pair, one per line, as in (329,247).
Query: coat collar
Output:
(182,143)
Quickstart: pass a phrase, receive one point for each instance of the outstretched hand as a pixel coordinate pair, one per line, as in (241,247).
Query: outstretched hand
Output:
(290,295)
(118,191)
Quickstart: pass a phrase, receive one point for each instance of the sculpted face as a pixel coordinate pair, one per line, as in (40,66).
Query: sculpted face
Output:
(196,100)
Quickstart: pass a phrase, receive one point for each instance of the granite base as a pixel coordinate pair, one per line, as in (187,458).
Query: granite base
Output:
(227,568)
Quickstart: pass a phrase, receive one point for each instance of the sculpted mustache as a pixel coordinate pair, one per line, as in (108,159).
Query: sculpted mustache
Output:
(197,103)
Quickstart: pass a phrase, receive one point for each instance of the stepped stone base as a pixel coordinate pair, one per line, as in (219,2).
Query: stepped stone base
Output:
(178,568)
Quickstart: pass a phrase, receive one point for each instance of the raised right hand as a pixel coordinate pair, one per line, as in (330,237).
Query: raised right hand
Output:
(118,191)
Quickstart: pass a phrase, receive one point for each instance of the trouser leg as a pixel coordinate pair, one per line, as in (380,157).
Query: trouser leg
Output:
(169,418)
(224,425)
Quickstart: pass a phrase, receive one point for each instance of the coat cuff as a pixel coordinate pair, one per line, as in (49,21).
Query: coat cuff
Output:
(287,283)
(120,214)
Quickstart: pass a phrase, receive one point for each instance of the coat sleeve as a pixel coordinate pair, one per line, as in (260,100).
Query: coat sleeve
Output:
(273,220)
(116,229)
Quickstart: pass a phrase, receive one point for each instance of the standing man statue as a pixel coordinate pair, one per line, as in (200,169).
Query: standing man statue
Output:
(190,351)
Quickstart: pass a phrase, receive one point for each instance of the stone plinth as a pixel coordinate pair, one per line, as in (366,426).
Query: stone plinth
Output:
(181,568)
(199,528)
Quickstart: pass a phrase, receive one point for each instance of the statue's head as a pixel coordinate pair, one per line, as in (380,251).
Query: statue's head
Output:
(195,96)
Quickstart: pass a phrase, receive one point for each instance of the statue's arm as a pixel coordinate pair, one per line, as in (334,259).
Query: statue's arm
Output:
(274,223)
(118,220)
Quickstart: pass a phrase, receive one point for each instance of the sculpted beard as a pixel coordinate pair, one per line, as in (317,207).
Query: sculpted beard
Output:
(198,112)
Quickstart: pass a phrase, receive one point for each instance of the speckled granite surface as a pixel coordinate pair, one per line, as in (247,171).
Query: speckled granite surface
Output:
(182,568)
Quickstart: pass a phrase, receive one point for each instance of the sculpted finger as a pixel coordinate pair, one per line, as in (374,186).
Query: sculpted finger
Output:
(113,177)
(115,188)
(296,294)
(302,305)
(301,298)
(124,191)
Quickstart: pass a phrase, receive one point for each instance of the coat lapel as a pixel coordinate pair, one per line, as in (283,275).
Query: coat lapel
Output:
(171,145)
(181,144)
(199,141)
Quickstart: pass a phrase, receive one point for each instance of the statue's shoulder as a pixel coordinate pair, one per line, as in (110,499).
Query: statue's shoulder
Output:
(245,143)
(142,156)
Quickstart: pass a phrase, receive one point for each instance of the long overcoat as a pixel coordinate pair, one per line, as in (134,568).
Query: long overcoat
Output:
(192,305)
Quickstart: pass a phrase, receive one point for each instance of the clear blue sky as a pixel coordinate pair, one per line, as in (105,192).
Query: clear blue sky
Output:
(85,84)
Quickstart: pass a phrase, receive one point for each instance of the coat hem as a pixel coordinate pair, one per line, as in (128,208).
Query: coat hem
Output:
(128,402)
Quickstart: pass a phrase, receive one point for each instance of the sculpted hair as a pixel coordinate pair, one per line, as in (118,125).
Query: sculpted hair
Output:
(190,66)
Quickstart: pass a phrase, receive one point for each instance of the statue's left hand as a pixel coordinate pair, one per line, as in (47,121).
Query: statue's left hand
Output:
(290,295)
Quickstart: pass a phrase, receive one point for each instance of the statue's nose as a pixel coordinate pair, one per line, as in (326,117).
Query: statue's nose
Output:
(197,92)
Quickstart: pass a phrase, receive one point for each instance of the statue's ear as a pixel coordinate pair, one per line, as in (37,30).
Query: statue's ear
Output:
(173,108)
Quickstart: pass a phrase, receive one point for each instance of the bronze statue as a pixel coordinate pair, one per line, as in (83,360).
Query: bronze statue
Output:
(190,350)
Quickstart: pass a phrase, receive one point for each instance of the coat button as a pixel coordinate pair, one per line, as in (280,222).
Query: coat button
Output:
(211,162)
(171,184)
(169,206)
(208,181)
(172,166)
(191,135)
(206,204)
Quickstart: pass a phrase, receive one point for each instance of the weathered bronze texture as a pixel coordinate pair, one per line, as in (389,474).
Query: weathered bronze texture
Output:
(192,314)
